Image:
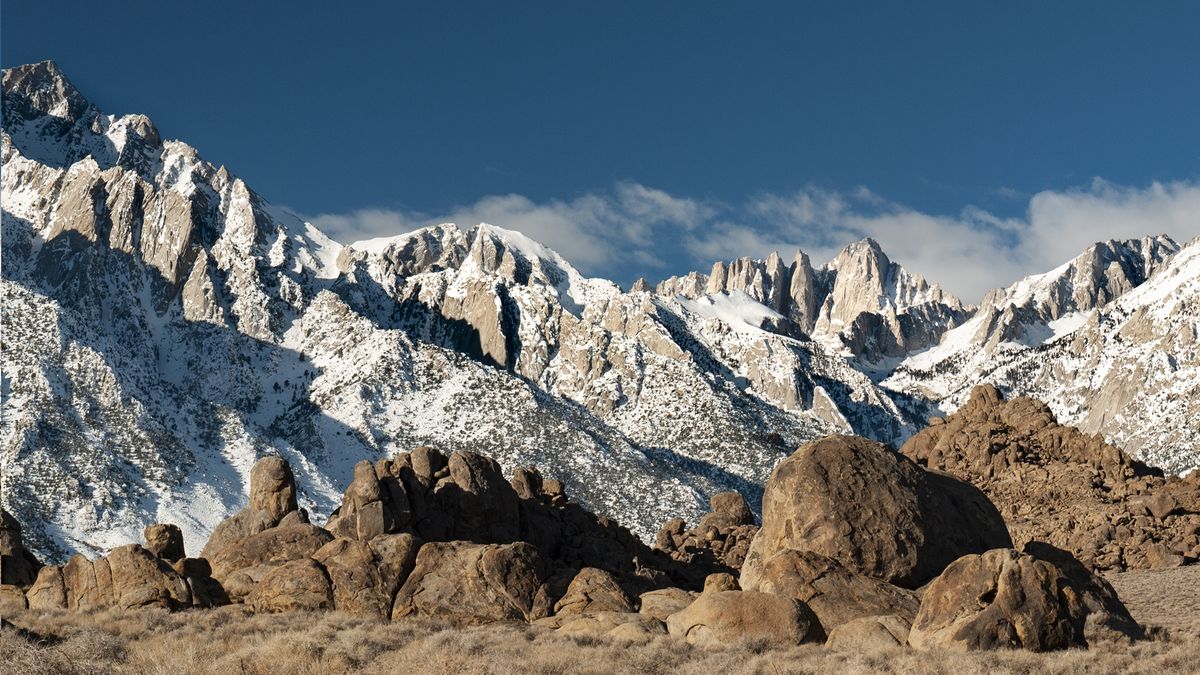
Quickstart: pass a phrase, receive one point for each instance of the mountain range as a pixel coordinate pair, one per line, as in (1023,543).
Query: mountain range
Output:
(165,326)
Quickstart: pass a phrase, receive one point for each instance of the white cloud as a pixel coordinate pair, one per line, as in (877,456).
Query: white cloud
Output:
(632,229)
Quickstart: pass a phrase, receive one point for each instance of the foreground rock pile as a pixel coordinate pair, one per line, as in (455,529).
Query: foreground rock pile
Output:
(859,546)
(1056,484)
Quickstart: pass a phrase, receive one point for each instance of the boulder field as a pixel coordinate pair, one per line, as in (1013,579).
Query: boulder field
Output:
(859,546)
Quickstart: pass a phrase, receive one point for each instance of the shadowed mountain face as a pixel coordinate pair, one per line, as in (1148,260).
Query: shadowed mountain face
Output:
(165,326)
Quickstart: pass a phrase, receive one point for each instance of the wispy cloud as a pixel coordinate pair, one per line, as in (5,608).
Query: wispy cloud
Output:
(631,229)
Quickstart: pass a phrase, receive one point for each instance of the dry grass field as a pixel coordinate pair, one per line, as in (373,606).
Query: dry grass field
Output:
(230,640)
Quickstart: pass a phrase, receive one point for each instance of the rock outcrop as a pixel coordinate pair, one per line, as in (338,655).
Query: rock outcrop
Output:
(241,565)
(1056,484)
(719,542)
(130,576)
(272,499)
(875,511)
(1008,599)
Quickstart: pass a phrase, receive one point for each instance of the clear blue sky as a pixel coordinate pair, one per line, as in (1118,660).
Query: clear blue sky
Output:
(429,107)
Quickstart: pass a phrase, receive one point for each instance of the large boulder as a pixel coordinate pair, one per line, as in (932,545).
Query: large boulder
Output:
(834,593)
(593,590)
(1008,599)
(128,577)
(17,565)
(664,602)
(870,633)
(719,619)
(395,556)
(359,587)
(242,564)
(468,583)
(875,511)
(48,590)
(297,585)
(165,541)
(272,500)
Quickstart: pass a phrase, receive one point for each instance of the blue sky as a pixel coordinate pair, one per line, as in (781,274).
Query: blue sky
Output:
(652,138)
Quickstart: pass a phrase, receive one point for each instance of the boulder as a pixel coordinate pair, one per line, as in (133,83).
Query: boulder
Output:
(17,565)
(375,503)
(358,585)
(591,591)
(128,577)
(1008,599)
(721,581)
(468,583)
(875,511)
(620,626)
(272,500)
(12,600)
(165,541)
(870,633)
(296,585)
(834,593)
(719,619)
(482,505)
(664,602)
(48,591)
(242,564)
(395,555)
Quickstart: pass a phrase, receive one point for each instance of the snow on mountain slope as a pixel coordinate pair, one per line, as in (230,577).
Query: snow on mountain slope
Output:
(164,326)
(1108,340)
(860,304)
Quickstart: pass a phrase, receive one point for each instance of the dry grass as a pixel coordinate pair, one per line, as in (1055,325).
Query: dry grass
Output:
(230,640)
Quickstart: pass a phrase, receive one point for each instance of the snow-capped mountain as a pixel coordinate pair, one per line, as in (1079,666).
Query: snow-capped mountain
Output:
(165,325)
(1108,340)
(861,303)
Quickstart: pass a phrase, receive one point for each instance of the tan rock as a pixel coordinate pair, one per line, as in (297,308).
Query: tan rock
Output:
(253,556)
(1007,599)
(721,581)
(48,591)
(834,593)
(718,619)
(870,633)
(164,541)
(272,499)
(128,577)
(468,583)
(358,585)
(875,511)
(12,600)
(591,591)
(664,602)
(296,585)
